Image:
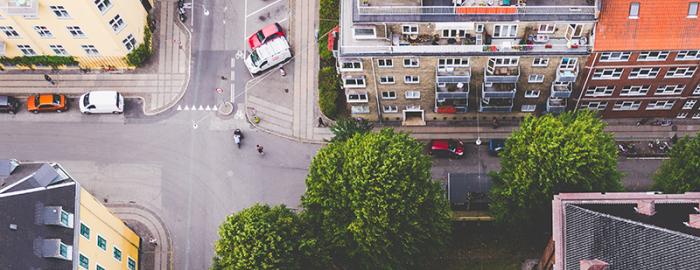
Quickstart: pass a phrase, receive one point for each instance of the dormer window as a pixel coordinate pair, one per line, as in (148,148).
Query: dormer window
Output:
(54,248)
(55,215)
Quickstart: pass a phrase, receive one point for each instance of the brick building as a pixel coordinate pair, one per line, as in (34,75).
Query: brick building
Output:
(645,60)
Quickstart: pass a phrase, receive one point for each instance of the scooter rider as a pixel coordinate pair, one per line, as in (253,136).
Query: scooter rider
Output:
(237,137)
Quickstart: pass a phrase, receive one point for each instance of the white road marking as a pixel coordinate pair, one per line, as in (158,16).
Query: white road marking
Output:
(245,25)
(233,75)
(207,108)
(179,108)
(239,55)
(224,21)
(261,9)
(283,20)
(192,17)
(233,62)
(187,108)
(233,93)
(201,108)
(239,113)
(214,108)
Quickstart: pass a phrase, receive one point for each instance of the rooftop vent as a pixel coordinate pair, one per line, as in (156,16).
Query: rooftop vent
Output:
(7,166)
(593,265)
(693,221)
(45,175)
(646,208)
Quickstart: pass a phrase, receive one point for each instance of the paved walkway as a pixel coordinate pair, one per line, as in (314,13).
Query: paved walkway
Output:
(160,89)
(162,251)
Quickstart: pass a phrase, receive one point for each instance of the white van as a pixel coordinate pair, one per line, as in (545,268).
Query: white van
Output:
(101,102)
(268,55)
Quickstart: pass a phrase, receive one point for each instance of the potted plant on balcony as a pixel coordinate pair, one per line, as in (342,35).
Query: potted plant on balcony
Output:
(365,3)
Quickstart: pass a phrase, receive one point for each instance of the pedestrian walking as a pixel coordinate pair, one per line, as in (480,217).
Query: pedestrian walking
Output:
(320,122)
(260,149)
(223,78)
(49,79)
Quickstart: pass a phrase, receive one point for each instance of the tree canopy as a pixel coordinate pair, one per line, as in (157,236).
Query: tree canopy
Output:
(548,155)
(345,128)
(680,173)
(372,204)
(260,237)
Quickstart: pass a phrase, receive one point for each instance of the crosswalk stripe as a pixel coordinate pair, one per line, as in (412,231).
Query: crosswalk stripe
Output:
(187,108)
(207,108)
(179,108)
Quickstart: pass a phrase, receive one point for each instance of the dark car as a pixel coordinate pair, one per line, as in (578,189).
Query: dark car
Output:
(496,146)
(450,148)
(8,104)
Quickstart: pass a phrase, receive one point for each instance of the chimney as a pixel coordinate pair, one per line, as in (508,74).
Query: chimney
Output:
(593,265)
(693,221)
(645,208)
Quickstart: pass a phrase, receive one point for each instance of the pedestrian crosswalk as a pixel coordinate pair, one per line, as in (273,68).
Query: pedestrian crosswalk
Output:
(197,108)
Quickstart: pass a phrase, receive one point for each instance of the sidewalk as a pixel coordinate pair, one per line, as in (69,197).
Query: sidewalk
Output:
(147,225)
(160,89)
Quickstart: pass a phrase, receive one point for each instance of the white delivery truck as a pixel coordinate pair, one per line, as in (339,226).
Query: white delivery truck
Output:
(101,102)
(268,55)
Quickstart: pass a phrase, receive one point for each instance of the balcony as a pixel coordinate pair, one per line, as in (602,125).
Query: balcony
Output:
(498,90)
(556,105)
(451,98)
(496,105)
(567,70)
(501,74)
(453,74)
(561,89)
(27,8)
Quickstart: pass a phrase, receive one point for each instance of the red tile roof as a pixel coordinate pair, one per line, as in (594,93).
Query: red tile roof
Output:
(662,25)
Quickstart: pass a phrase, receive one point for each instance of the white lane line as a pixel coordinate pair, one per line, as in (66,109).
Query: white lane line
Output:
(233,62)
(233,93)
(233,75)
(261,9)
(283,20)
(192,16)
(245,26)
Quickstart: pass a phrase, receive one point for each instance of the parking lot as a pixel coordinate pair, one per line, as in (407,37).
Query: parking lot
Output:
(132,108)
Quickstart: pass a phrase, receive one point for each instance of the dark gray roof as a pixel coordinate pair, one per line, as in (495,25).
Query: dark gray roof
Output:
(22,248)
(618,235)
(42,176)
(7,165)
(459,184)
(20,173)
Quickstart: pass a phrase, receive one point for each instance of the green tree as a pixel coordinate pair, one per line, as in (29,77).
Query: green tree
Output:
(260,237)
(549,155)
(681,173)
(371,203)
(344,128)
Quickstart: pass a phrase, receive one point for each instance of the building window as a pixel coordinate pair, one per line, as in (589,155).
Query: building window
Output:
(385,63)
(411,79)
(359,109)
(390,108)
(689,104)
(453,62)
(75,31)
(90,50)
(453,33)
(546,28)
(411,62)
(696,91)
(653,56)
(479,28)
(9,31)
(63,250)
(535,78)
(85,231)
(351,65)
(60,11)
(386,80)
(696,115)
(600,91)
(354,82)
(117,23)
(409,29)
(661,105)
(615,56)
(528,108)
(595,105)
(635,90)
(84,262)
(65,218)
(101,242)
(99,267)
(412,95)
(389,95)
(357,97)
(644,73)
(532,93)
(505,30)
(607,74)
(627,105)
(688,55)
(674,89)
(634,10)
(58,50)
(43,31)
(364,32)
(540,62)
(680,72)
(116,253)
(26,50)
(103,5)
(129,42)
(682,115)
(130,263)
(693,10)
(504,61)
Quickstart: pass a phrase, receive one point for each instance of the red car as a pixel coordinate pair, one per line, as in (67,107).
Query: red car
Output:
(267,33)
(451,148)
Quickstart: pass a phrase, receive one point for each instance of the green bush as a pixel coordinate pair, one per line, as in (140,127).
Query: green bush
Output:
(328,87)
(39,60)
(141,53)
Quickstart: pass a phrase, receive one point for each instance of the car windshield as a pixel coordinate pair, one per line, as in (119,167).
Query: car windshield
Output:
(254,57)
(36,100)
(118,100)
(86,100)
(260,36)
(56,99)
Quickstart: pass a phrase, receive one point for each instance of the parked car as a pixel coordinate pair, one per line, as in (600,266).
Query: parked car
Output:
(450,148)
(8,104)
(268,55)
(267,33)
(496,146)
(101,102)
(47,103)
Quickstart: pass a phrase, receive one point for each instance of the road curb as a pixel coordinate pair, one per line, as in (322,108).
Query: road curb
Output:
(155,225)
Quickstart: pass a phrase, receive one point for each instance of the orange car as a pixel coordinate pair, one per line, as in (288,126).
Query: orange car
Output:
(47,103)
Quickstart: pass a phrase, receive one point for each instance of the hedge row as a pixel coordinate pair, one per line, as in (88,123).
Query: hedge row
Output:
(328,79)
(39,60)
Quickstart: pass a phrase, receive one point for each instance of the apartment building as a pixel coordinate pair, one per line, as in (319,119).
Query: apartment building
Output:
(645,60)
(413,61)
(98,33)
(50,222)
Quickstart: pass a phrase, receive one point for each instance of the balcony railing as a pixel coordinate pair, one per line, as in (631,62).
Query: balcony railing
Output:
(561,89)
(496,105)
(28,8)
(474,10)
(567,74)
(451,102)
(501,74)
(452,87)
(456,49)
(453,74)
(556,105)
(498,90)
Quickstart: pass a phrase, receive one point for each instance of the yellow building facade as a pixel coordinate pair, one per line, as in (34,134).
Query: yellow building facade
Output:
(97,33)
(105,242)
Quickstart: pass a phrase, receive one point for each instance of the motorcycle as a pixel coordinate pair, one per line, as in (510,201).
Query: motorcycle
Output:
(237,137)
(182,15)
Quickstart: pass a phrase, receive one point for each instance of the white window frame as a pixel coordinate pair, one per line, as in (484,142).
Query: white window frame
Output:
(103,5)
(680,72)
(90,50)
(614,73)
(130,40)
(385,63)
(453,33)
(60,12)
(505,30)
(58,49)
(600,91)
(528,108)
(546,28)
(540,62)
(669,90)
(532,93)
(117,23)
(535,78)
(665,105)
(453,62)
(26,50)
(387,79)
(412,94)
(635,90)
(411,62)
(595,105)
(615,56)
(682,115)
(80,254)
(505,61)
(696,91)
(356,79)
(121,253)
(75,31)
(634,10)
(644,73)
(409,29)
(97,242)
(414,79)
(364,36)
(696,115)
(689,104)
(479,28)
(388,94)
(128,258)
(688,55)
(357,97)
(693,9)
(359,109)
(627,105)
(653,56)
(390,109)
(356,65)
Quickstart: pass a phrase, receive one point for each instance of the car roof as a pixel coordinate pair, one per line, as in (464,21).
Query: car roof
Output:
(271,29)
(46,98)
(272,47)
(102,97)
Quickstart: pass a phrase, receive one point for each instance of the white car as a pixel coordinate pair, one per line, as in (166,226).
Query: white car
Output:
(101,102)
